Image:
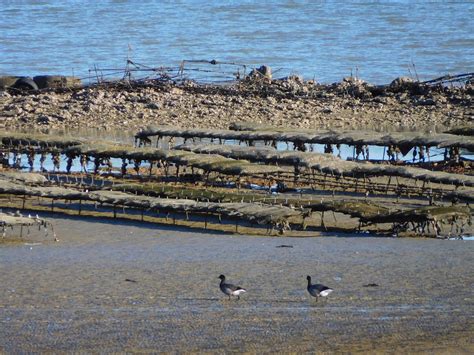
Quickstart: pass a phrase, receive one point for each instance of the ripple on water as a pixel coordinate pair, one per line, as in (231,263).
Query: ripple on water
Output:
(304,37)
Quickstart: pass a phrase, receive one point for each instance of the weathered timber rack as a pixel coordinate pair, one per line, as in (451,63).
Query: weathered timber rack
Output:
(38,140)
(419,220)
(11,220)
(251,133)
(327,163)
(315,169)
(274,216)
(35,144)
(422,220)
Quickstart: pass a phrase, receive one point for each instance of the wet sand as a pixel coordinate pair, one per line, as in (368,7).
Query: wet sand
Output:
(73,295)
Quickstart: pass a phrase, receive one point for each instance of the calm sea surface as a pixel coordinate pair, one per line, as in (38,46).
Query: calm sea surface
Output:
(327,40)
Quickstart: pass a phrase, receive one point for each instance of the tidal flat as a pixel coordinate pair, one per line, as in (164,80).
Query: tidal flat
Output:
(113,286)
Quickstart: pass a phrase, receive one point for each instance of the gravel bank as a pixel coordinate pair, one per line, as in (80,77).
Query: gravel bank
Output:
(290,103)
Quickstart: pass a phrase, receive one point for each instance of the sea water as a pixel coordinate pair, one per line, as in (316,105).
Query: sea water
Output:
(325,40)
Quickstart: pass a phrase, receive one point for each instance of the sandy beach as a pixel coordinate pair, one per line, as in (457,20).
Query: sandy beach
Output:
(73,295)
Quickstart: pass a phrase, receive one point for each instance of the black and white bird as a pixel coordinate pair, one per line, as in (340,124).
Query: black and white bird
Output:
(318,290)
(229,289)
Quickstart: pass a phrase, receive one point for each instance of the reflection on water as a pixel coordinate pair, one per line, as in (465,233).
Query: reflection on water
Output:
(345,152)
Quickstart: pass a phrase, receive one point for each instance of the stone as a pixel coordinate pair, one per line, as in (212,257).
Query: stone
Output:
(8,81)
(401,81)
(266,71)
(353,80)
(43,119)
(426,102)
(153,106)
(263,71)
(176,91)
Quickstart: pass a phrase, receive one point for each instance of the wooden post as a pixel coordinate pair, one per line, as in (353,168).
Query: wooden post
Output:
(80,206)
(398,190)
(52,205)
(388,184)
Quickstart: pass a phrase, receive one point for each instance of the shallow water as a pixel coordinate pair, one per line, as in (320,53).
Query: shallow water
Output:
(376,152)
(346,152)
(127,137)
(72,295)
(326,40)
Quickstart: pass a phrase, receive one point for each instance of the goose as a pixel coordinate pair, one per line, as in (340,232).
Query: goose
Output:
(229,289)
(318,290)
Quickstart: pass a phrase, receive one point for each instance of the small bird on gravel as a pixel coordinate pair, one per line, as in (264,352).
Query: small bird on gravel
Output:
(229,289)
(318,290)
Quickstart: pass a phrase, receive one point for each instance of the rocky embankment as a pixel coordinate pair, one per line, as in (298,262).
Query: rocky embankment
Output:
(292,102)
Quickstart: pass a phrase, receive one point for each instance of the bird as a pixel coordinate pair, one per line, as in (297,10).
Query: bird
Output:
(229,289)
(318,290)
